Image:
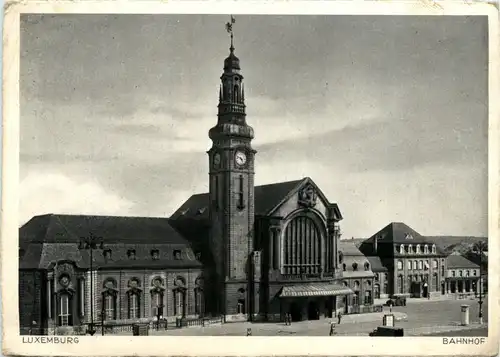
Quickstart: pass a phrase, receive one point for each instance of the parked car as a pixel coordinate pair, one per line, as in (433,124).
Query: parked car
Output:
(396,301)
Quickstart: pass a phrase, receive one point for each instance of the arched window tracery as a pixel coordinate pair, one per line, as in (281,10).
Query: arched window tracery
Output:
(302,248)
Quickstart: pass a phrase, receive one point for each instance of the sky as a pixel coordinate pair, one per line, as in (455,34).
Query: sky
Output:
(387,114)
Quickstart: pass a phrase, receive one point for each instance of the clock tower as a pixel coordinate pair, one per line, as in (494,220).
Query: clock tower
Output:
(231,193)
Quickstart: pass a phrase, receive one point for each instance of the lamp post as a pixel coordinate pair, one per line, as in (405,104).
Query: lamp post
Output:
(91,243)
(479,249)
(103,317)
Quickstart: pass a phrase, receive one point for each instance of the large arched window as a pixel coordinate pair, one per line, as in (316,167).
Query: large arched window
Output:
(109,298)
(157,296)
(109,305)
(134,298)
(180,297)
(65,309)
(302,246)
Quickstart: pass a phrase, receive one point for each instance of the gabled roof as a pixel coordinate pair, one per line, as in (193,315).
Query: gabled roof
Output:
(458,261)
(267,199)
(63,228)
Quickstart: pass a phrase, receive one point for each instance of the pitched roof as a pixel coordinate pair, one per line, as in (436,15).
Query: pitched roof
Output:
(400,233)
(348,248)
(63,228)
(43,255)
(46,239)
(376,264)
(458,261)
(267,198)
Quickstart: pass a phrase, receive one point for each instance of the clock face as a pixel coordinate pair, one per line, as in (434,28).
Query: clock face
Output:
(217,160)
(240,158)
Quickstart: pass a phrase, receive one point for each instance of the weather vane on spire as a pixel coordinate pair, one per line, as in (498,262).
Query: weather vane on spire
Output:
(229,28)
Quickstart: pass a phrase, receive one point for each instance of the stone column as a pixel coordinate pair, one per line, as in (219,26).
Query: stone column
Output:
(49,298)
(275,247)
(333,229)
(81,293)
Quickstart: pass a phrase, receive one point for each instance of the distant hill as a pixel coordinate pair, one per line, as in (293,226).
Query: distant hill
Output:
(450,244)
(457,244)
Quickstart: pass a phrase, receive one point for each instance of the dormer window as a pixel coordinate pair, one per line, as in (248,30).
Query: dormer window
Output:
(107,254)
(426,249)
(433,249)
(367,266)
(201,211)
(184,212)
(418,248)
(131,254)
(177,255)
(155,254)
(401,249)
(408,236)
(355,266)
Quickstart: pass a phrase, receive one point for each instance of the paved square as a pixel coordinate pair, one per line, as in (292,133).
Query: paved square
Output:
(417,318)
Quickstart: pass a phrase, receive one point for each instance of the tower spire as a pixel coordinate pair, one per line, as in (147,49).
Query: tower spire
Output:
(229,28)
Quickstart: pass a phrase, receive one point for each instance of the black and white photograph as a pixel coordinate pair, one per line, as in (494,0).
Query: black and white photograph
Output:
(254,175)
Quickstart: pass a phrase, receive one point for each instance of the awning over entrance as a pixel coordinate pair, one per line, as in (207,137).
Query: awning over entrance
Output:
(316,289)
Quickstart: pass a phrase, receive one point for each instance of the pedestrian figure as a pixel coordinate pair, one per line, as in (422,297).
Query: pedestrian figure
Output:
(339,317)
(290,319)
(249,332)
(332,328)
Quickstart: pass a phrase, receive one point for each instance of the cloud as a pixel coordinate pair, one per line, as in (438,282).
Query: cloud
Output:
(45,192)
(377,110)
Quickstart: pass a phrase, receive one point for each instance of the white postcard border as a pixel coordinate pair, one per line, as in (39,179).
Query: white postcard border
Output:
(229,346)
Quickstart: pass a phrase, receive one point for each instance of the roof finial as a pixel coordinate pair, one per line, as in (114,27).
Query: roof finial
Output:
(229,28)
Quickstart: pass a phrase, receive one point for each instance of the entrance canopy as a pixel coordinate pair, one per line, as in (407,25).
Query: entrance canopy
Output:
(316,289)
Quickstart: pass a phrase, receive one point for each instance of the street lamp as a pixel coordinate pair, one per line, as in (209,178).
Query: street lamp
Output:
(91,243)
(479,249)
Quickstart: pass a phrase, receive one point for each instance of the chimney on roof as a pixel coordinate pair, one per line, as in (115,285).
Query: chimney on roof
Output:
(375,244)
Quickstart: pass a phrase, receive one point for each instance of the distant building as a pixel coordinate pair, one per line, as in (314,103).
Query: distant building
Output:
(357,274)
(416,265)
(462,276)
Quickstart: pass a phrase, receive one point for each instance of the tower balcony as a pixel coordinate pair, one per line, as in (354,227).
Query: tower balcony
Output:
(231,129)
